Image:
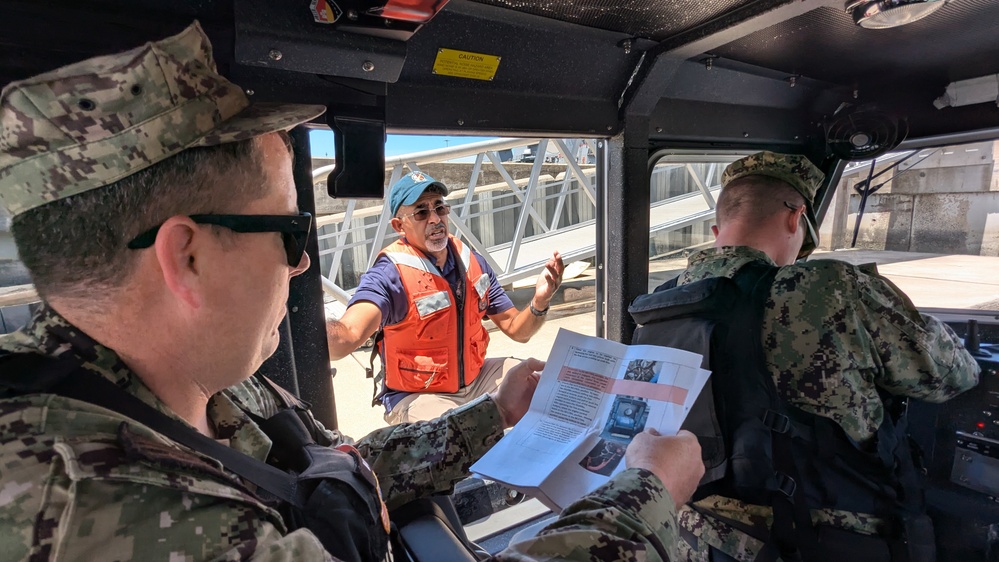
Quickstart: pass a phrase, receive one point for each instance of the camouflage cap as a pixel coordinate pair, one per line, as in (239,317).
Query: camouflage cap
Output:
(795,170)
(94,122)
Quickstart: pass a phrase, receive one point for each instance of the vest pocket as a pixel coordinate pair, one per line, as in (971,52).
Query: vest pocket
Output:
(423,370)
(475,350)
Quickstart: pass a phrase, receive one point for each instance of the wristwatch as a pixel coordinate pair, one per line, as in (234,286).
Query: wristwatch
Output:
(537,312)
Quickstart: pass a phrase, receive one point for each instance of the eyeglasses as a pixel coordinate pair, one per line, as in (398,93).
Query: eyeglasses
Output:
(424,214)
(811,235)
(294,230)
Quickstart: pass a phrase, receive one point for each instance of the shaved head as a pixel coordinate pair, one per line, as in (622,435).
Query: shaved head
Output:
(754,199)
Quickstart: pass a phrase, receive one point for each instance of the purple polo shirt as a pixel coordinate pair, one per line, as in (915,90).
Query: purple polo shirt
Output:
(382,286)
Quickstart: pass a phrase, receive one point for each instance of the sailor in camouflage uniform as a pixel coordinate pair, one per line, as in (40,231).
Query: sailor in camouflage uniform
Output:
(833,333)
(183,322)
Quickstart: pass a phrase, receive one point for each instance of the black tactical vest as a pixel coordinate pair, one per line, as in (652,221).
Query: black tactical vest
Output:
(761,450)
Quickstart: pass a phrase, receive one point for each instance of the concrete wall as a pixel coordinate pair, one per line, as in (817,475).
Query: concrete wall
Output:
(947,223)
(948,204)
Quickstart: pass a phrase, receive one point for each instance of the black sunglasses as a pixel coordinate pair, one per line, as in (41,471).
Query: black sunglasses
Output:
(423,214)
(294,230)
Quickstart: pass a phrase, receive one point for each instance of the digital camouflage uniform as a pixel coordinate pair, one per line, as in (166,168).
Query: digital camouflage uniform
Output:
(832,334)
(78,482)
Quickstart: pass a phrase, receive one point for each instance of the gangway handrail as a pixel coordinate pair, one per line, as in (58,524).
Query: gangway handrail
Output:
(543,204)
(454,194)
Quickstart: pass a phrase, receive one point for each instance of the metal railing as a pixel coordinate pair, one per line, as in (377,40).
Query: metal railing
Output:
(515,222)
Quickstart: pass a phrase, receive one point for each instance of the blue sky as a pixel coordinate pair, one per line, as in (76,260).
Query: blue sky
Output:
(322,143)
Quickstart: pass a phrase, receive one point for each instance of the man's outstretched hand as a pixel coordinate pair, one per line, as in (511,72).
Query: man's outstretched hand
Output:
(548,282)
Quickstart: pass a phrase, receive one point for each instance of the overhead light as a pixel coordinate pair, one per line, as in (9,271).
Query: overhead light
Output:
(882,14)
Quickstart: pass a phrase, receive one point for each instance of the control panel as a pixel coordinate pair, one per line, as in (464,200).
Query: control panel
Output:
(958,442)
(976,463)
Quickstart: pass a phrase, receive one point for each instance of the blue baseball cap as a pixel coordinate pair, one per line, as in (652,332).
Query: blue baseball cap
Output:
(408,189)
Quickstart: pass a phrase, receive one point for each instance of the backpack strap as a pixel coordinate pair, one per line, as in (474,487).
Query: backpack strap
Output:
(376,379)
(792,535)
(38,374)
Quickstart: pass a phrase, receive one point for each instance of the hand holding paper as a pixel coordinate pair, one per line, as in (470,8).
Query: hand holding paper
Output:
(513,397)
(587,419)
(676,460)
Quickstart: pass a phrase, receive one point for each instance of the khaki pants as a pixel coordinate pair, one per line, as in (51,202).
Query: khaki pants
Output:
(428,406)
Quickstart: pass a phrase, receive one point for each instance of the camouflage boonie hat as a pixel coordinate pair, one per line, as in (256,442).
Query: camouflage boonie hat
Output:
(94,122)
(795,170)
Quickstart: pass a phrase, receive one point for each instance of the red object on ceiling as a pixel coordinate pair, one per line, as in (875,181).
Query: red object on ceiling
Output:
(418,11)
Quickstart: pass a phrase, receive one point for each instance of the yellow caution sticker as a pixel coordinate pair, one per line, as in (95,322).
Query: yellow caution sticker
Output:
(464,64)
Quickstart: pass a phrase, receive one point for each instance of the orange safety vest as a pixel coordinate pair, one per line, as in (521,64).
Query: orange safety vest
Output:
(437,347)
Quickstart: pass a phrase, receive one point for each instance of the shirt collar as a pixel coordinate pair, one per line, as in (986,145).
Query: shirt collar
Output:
(746,252)
(720,262)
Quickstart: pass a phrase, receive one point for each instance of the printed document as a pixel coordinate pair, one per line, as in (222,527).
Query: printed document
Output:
(594,396)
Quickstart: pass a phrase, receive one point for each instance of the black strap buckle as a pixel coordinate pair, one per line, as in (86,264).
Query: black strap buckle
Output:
(785,484)
(776,422)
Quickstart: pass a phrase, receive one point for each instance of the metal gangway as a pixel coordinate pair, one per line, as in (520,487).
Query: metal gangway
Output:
(516,222)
